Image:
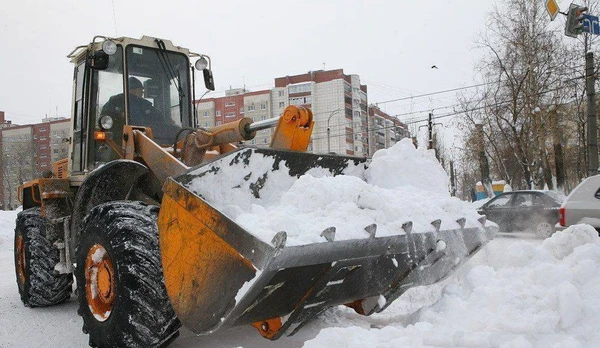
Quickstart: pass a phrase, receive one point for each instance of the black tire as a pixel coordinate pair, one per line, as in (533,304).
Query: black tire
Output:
(35,257)
(141,314)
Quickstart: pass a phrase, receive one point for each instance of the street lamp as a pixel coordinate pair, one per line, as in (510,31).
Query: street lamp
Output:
(329,131)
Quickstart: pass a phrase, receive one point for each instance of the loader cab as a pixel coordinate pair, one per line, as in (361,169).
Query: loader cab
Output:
(143,82)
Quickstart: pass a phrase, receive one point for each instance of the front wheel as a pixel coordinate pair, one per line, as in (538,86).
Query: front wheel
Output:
(122,296)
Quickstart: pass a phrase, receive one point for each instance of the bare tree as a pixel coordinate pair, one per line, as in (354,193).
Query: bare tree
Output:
(522,72)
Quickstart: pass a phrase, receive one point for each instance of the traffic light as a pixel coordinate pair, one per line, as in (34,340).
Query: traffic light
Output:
(575,18)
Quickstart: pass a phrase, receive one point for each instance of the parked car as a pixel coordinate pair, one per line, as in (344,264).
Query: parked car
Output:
(522,210)
(582,206)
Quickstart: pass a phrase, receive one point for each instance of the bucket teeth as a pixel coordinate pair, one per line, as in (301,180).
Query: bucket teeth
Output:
(482,220)
(329,234)
(462,221)
(407,226)
(437,224)
(371,230)
(279,240)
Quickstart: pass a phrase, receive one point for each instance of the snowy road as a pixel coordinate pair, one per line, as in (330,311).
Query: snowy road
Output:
(518,292)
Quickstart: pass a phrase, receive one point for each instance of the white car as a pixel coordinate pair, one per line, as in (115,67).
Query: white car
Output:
(582,206)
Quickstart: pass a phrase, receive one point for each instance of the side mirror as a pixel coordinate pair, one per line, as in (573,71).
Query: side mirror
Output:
(208,79)
(151,89)
(97,60)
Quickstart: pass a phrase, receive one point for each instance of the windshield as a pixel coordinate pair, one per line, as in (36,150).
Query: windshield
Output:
(158,85)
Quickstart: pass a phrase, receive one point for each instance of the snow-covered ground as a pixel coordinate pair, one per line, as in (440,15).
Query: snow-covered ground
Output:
(518,292)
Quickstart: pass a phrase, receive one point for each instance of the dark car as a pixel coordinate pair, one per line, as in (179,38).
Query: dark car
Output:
(522,210)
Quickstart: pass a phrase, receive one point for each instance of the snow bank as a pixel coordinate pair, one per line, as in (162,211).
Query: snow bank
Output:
(522,296)
(401,184)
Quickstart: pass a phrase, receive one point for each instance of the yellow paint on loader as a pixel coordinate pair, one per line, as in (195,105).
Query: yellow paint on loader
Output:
(199,266)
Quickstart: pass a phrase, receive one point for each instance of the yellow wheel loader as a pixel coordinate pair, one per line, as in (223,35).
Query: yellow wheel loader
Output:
(126,214)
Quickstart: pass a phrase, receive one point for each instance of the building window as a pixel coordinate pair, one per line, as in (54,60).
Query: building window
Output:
(281,104)
(263,117)
(264,140)
(263,106)
(219,123)
(55,151)
(228,104)
(42,129)
(242,110)
(205,113)
(251,108)
(205,124)
(305,87)
(218,113)
(281,93)
(300,100)
(230,114)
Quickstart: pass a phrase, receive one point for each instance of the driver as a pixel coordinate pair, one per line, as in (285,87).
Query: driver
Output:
(141,111)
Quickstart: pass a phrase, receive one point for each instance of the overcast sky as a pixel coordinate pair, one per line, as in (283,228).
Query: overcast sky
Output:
(391,45)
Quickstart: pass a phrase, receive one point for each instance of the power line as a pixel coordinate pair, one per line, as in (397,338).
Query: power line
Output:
(560,64)
(440,116)
(434,93)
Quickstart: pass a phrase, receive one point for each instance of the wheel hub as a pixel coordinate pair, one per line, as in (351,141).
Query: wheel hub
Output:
(100,282)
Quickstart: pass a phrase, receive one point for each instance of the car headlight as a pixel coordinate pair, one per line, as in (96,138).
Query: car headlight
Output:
(106,122)
(109,47)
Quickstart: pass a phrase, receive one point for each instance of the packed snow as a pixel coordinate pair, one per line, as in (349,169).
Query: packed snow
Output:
(515,292)
(384,194)
(525,295)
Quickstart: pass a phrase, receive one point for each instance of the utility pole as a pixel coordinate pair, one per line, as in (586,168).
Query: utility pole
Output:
(430,131)
(452,180)
(429,126)
(329,130)
(592,132)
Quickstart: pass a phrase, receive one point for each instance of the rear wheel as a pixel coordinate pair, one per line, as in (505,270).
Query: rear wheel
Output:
(35,257)
(544,229)
(122,296)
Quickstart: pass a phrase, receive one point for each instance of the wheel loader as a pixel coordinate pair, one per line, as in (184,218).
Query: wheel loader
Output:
(149,253)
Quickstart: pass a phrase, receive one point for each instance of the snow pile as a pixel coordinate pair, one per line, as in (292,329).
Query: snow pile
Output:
(522,296)
(401,184)
(404,166)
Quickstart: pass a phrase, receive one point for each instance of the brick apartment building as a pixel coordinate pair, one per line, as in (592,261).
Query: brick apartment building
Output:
(338,101)
(27,151)
(236,104)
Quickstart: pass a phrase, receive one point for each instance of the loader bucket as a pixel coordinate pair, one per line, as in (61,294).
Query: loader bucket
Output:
(219,275)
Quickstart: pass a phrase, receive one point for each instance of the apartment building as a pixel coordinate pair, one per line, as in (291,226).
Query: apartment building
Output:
(344,121)
(236,104)
(18,162)
(27,151)
(384,130)
(339,105)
